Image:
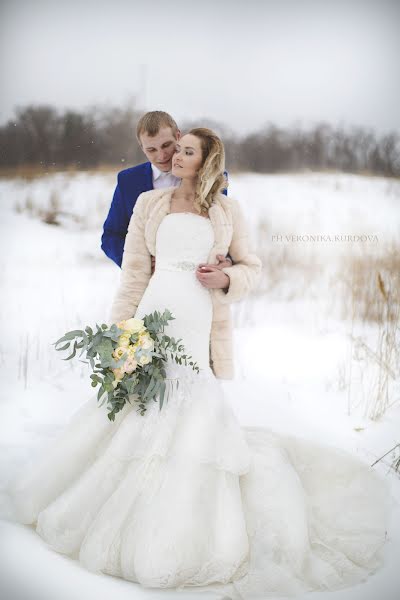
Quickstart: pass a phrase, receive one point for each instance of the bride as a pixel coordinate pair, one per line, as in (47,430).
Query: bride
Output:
(185,496)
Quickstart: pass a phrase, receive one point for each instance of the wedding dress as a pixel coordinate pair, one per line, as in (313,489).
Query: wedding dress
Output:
(186,497)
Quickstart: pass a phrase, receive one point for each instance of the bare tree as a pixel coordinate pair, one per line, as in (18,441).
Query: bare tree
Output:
(39,135)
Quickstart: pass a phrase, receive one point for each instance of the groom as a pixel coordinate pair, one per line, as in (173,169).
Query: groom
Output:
(157,134)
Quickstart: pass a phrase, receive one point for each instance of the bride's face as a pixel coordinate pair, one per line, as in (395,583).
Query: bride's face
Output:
(188,157)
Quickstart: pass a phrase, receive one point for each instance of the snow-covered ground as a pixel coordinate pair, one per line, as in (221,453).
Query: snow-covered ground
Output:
(293,353)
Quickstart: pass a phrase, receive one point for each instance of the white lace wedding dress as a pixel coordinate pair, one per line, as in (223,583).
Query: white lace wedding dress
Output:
(185,496)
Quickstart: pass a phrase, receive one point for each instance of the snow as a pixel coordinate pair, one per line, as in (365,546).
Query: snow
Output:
(292,347)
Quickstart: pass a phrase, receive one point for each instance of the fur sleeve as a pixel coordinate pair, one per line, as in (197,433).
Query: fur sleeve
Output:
(245,273)
(135,267)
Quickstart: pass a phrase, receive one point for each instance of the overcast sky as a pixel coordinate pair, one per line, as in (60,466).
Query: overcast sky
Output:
(242,62)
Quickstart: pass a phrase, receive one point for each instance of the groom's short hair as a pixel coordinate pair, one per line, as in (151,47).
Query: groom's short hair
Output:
(151,123)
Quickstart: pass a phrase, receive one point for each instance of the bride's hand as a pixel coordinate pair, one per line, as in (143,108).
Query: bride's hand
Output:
(211,276)
(223,262)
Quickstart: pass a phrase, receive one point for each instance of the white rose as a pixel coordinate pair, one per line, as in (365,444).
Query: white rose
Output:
(147,343)
(144,360)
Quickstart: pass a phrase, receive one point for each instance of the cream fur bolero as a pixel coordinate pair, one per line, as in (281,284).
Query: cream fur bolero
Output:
(231,236)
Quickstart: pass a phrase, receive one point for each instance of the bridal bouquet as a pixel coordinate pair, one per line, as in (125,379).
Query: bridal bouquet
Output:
(128,359)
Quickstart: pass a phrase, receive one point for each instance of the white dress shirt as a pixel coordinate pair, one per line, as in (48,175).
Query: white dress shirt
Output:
(163,180)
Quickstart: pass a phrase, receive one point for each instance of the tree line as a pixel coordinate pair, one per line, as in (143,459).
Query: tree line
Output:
(41,135)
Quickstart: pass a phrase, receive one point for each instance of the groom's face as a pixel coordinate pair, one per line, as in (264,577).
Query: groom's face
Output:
(160,148)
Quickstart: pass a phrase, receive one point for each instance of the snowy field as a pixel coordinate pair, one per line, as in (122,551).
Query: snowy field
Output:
(295,369)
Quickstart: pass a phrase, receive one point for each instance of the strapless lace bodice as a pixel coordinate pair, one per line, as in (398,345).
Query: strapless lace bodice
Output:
(183,241)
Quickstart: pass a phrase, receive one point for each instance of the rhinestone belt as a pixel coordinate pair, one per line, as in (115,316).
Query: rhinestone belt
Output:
(183,265)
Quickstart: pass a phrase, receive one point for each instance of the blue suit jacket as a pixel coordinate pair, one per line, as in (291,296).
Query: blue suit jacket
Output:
(131,183)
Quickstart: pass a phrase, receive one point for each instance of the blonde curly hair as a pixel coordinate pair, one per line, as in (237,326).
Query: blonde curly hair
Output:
(211,179)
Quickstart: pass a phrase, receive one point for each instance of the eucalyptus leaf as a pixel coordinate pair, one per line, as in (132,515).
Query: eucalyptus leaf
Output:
(64,347)
(148,382)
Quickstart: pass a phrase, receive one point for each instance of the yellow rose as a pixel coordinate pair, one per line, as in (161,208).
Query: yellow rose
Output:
(131,350)
(119,352)
(133,325)
(124,340)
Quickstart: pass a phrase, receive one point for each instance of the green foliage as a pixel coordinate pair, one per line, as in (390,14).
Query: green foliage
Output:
(147,382)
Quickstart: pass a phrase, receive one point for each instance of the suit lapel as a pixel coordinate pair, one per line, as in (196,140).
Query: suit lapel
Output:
(149,177)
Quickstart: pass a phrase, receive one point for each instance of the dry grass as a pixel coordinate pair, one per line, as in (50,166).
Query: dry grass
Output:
(32,172)
(367,290)
(286,271)
(51,213)
(374,298)
(394,459)
(372,285)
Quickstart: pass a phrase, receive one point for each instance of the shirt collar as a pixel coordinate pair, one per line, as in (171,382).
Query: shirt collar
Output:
(157,173)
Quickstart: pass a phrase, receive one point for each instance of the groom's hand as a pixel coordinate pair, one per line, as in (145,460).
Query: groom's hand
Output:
(211,277)
(223,261)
